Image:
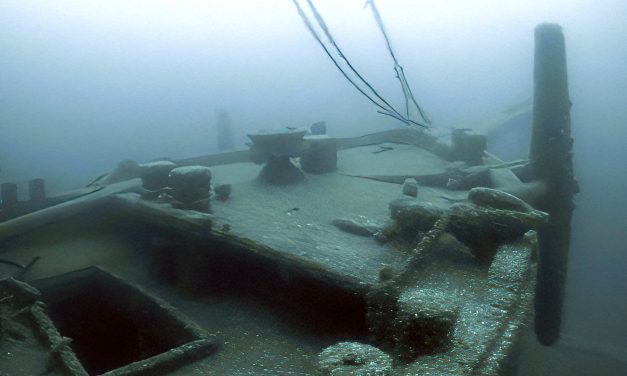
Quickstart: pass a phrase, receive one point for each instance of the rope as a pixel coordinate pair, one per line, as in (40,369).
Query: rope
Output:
(400,72)
(326,50)
(385,107)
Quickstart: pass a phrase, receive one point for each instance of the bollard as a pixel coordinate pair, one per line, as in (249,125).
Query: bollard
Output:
(36,190)
(468,147)
(8,194)
(191,185)
(319,128)
(155,175)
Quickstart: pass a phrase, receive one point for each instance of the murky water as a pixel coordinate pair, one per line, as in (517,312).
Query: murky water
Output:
(86,85)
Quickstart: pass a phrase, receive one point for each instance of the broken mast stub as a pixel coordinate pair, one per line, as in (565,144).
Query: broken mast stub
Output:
(551,157)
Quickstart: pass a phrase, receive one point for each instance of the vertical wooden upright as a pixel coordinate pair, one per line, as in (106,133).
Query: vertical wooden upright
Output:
(8,195)
(36,190)
(551,156)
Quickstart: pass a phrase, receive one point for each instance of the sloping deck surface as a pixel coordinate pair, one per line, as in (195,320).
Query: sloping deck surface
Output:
(297,219)
(290,225)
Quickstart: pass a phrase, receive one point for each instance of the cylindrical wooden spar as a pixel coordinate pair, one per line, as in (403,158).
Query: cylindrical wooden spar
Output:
(550,153)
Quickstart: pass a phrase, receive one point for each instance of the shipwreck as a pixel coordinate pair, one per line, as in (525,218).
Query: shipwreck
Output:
(385,254)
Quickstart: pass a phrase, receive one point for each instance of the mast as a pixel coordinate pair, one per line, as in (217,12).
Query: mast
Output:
(551,157)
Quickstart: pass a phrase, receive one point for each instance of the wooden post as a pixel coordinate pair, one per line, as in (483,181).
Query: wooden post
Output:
(468,147)
(224,131)
(551,158)
(9,194)
(36,190)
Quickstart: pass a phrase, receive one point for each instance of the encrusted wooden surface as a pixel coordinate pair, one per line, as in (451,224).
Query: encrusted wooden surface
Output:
(292,227)
(292,221)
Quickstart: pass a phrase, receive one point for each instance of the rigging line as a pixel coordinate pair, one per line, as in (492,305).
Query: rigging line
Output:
(411,96)
(325,28)
(402,119)
(390,111)
(405,94)
(377,17)
(337,65)
(397,67)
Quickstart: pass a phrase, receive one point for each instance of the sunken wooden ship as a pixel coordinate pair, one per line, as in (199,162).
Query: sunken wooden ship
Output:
(385,254)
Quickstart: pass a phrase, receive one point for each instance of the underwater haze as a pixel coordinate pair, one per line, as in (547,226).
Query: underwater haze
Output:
(86,84)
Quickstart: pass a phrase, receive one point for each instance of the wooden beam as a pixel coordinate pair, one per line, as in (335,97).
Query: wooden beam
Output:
(551,158)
